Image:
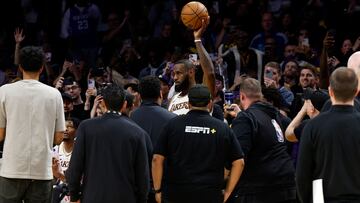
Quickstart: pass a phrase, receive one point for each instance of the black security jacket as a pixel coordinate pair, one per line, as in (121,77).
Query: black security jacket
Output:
(109,161)
(268,166)
(330,150)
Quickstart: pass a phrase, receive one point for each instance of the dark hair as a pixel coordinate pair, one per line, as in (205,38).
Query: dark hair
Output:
(149,88)
(31,58)
(287,60)
(187,64)
(312,69)
(219,77)
(317,97)
(129,98)
(272,95)
(68,81)
(97,72)
(114,96)
(74,120)
(344,83)
(134,86)
(66,97)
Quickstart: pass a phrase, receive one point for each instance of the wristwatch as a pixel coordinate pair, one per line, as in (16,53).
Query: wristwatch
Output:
(157,191)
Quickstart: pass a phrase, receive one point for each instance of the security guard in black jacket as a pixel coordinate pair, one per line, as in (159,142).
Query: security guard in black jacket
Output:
(269,175)
(197,147)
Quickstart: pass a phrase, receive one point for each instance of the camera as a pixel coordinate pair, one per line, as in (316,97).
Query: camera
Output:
(307,93)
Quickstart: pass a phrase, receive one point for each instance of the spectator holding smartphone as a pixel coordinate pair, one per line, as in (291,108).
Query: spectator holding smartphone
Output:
(272,78)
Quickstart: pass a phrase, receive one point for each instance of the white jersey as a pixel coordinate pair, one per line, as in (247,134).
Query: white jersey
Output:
(179,104)
(64,158)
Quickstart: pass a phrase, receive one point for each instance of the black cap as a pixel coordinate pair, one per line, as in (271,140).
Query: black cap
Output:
(318,99)
(69,81)
(199,95)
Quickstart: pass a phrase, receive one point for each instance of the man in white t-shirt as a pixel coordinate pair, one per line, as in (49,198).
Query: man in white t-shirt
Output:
(184,74)
(31,122)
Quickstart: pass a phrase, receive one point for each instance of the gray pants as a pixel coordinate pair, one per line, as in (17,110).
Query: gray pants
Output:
(25,190)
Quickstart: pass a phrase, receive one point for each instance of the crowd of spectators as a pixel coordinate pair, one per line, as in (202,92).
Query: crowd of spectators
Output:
(291,47)
(138,38)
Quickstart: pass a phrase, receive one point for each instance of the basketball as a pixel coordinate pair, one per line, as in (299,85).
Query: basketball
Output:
(192,14)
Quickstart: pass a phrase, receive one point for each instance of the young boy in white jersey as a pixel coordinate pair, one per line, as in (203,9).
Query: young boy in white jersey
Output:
(61,159)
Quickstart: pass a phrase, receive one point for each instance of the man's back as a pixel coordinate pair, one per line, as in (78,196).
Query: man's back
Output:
(330,151)
(268,165)
(152,118)
(196,149)
(111,152)
(32,113)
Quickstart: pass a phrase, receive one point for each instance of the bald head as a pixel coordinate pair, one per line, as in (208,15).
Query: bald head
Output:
(354,63)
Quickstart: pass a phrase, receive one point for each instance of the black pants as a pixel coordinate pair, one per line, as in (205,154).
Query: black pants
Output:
(280,196)
(194,197)
(59,192)
(31,191)
(151,198)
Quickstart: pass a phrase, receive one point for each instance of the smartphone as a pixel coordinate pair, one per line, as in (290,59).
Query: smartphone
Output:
(229,97)
(269,74)
(332,32)
(48,56)
(91,83)
(305,42)
(193,57)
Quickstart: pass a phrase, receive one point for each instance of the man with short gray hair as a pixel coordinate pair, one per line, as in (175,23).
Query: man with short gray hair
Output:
(269,174)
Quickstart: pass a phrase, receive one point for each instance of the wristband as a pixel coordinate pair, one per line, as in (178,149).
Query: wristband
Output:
(197,40)
(157,191)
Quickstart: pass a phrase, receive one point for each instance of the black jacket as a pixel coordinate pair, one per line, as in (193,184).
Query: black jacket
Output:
(330,150)
(268,166)
(110,161)
(152,118)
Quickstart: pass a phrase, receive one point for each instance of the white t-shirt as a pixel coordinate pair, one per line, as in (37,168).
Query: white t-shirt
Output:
(179,104)
(31,112)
